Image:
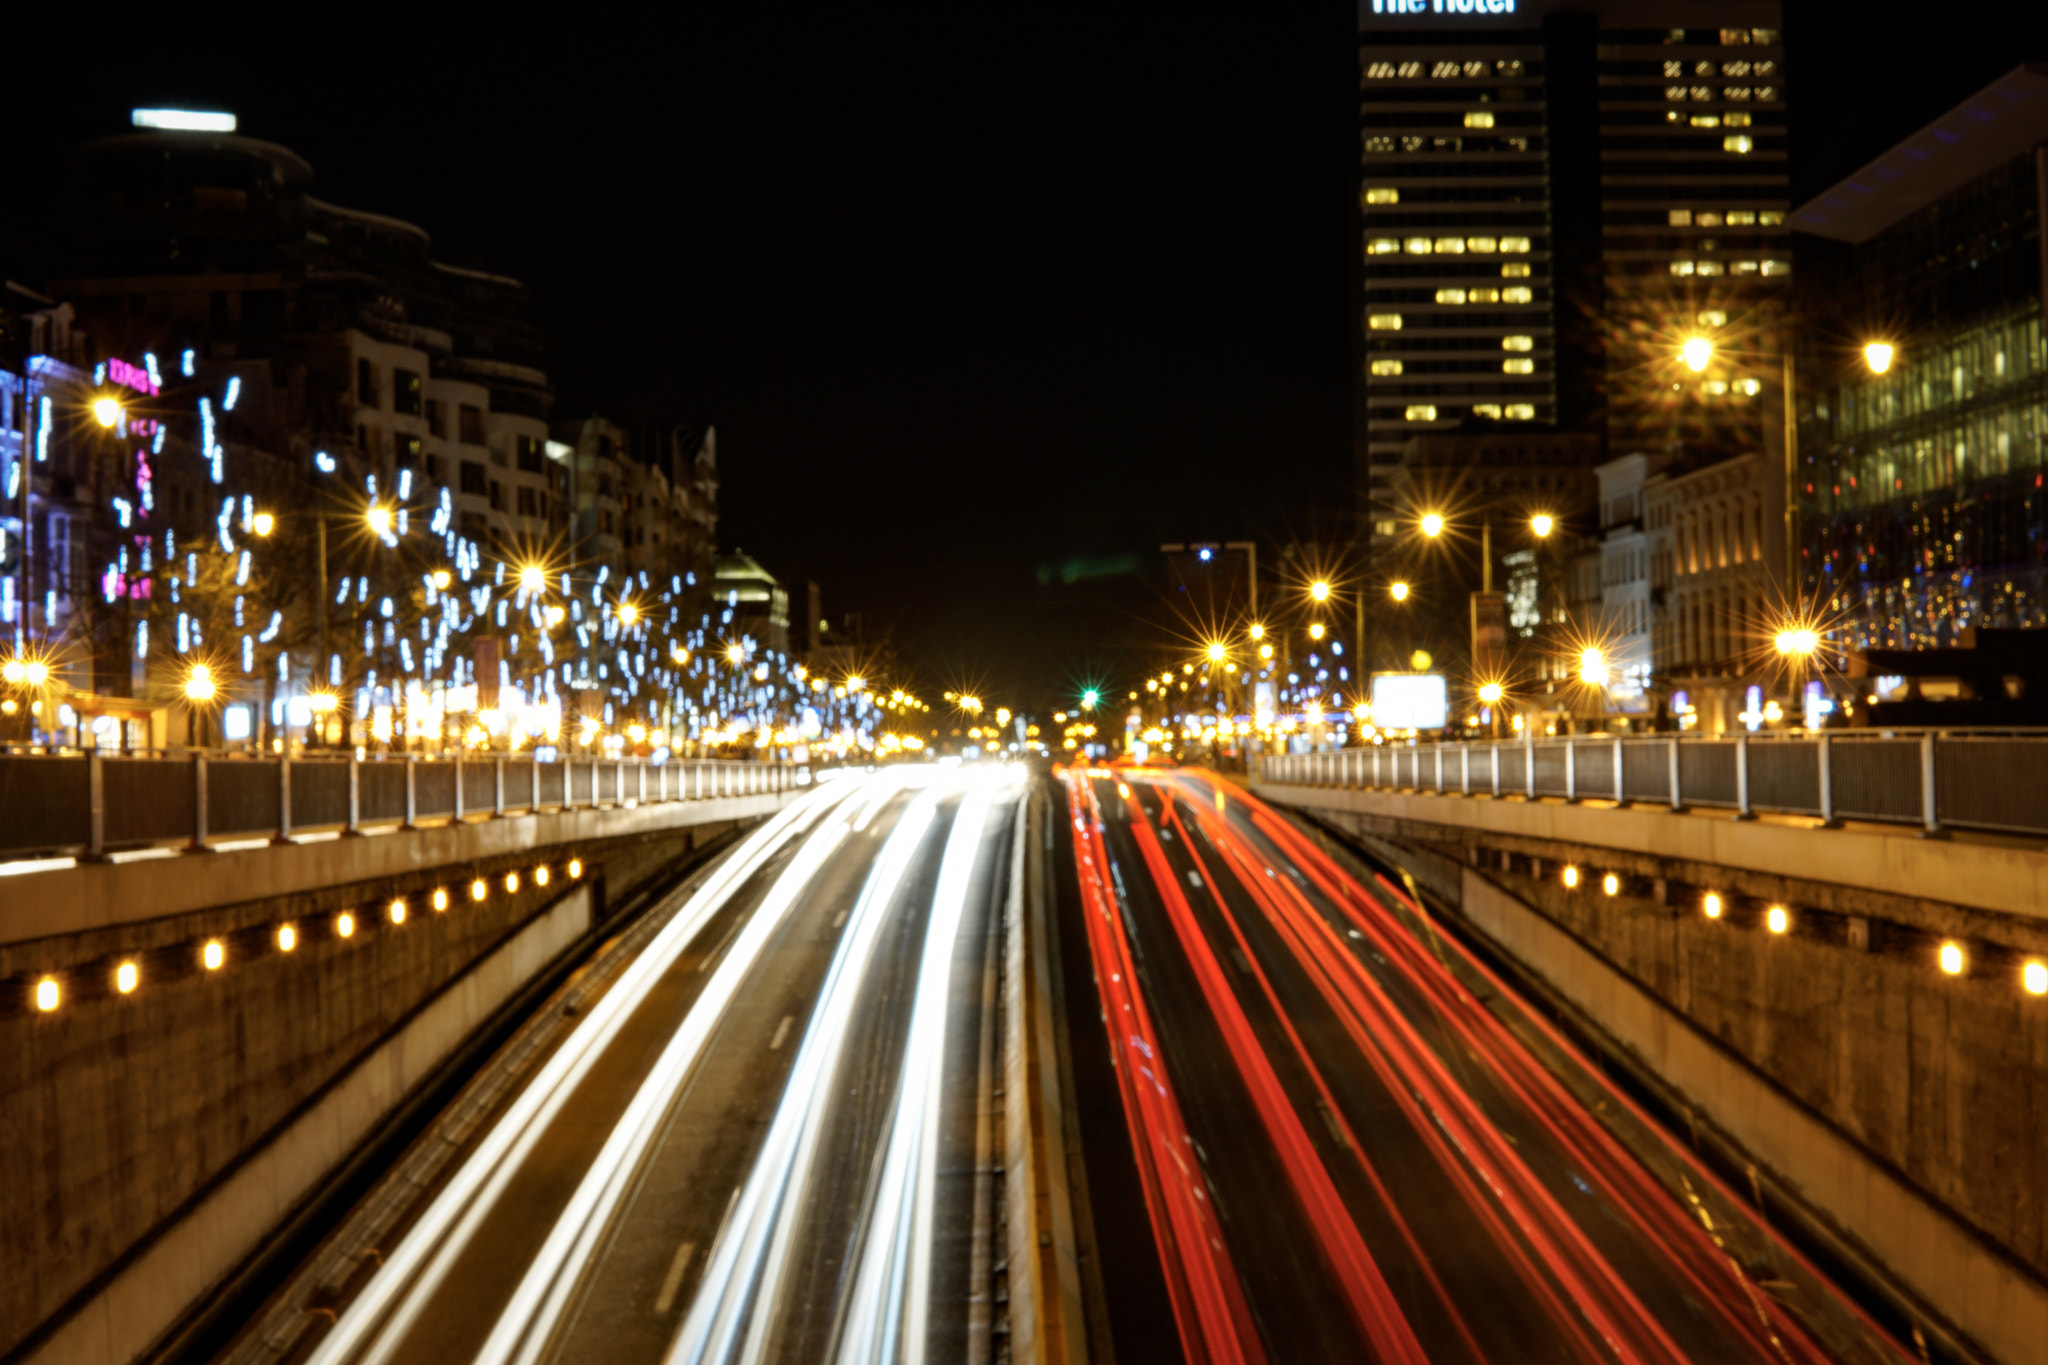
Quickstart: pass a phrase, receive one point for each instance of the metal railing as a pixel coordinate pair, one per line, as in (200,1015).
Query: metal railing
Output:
(101,802)
(1933,779)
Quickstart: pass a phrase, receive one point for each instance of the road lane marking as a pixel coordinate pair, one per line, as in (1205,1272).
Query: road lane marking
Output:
(674,1280)
(781,1032)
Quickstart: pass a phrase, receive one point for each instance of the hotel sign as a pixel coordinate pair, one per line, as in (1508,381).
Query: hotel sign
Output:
(1443,6)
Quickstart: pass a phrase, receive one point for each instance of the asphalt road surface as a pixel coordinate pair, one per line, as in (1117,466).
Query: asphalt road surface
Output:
(767,1139)
(1350,1141)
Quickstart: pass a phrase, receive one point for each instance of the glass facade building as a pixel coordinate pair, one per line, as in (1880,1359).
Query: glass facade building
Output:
(1920,484)
(1552,196)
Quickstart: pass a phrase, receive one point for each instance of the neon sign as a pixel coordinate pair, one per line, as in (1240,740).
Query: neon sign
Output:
(1443,6)
(131,377)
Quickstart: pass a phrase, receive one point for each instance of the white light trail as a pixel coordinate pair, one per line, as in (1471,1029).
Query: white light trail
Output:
(372,1327)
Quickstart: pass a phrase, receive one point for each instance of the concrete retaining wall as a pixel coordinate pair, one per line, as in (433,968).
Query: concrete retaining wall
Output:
(120,1114)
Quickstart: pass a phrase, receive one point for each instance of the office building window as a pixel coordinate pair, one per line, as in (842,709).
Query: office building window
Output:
(437,418)
(1386,367)
(529,454)
(1521,412)
(529,502)
(1384,322)
(366,384)
(473,481)
(405,392)
(1518,365)
(1421,412)
(471,425)
(1383,194)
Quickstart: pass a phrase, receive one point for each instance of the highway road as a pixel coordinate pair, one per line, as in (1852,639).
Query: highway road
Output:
(1352,1141)
(766,1138)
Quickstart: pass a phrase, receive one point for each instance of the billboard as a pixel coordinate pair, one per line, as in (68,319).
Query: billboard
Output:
(1410,701)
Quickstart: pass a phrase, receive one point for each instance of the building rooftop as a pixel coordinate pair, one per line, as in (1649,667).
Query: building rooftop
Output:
(2003,120)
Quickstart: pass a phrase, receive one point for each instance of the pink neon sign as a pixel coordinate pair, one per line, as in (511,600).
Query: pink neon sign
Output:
(131,377)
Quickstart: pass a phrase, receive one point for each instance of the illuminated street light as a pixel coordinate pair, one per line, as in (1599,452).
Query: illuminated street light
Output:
(1257,631)
(1697,353)
(1491,693)
(263,523)
(1216,651)
(1315,632)
(1432,525)
(1400,592)
(199,683)
(735,655)
(442,578)
(1319,590)
(533,578)
(1542,524)
(628,613)
(1798,642)
(1089,698)
(106,411)
(1878,356)
(1593,668)
(379,518)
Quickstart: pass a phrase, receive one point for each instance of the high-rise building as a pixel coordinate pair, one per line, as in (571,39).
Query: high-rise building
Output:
(1555,195)
(1924,431)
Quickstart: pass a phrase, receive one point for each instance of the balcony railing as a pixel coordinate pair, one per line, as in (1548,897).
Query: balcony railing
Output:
(1933,779)
(95,803)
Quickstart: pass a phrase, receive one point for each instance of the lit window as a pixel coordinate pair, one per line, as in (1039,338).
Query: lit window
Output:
(1475,69)
(1706,120)
(1742,218)
(1382,194)
(1444,71)
(1517,365)
(1751,387)
(1671,116)
(1386,367)
(1410,70)
(1737,118)
(1766,93)
(1482,295)
(1681,267)
(1713,317)
(1514,270)
(1421,412)
(1734,37)
(1709,220)
(1766,68)
(1450,296)
(1521,412)
(1716,387)
(1514,244)
(1771,218)
(1486,410)
(1674,92)
(1777,267)
(1482,244)
(1384,322)
(1740,144)
(1742,267)
(1674,69)
(1738,93)
(1709,267)
(1418,246)
(1681,217)
(1702,93)
(1379,144)
(1517,294)
(1735,68)
(1478,118)
(1450,246)
(1382,246)
(1511,66)
(1518,343)
(1380,71)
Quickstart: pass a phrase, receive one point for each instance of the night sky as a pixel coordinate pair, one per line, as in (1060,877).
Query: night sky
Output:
(984,307)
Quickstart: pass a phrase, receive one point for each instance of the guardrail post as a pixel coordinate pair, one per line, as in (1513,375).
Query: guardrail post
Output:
(1496,769)
(1571,770)
(1464,769)
(1529,760)
(412,792)
(1824,758)
(284,800)
(1742,810)
(1439,768)
(619,782)
(498,787)
(1677,800)
(354,827)
(198,844)
(534,809)
(95,805)
(641,768)
(1620,792)
(458,786)
(1930,804)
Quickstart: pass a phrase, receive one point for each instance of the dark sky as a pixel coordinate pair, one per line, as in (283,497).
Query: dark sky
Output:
(984,307)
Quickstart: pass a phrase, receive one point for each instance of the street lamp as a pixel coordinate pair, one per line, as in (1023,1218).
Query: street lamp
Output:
(106,411)
(1542,524)
(1491,693)
(199,684)
(1432,525)
(1593,667)
(1257,631)
(1216,651)
(1399,590)
(1797,642)
(1319,590)
(1315,631)
(1878,356)
(628,613)
(1697,353)
(533,578)
(379,518)
(263,523)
